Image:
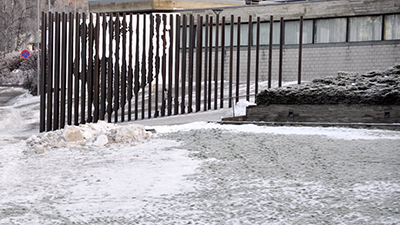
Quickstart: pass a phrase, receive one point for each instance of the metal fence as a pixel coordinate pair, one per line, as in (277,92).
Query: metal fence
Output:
(122,67)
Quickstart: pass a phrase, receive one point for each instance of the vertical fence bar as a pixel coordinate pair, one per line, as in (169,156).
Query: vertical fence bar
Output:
(137,83)
(123,69)
(191,43)
(210,62)
(198,61)
(170,63)
(205,61)
(130,69)
(281,52)
(183,73)
(50,75)
(96,70)
(70,67)
(216,62)
(249,57)
(63,68)
(103,68)
(257,55)
(238,60)
(156,114)
(150,62)
(271,42)
(300,49)
(231,61)
(43,74)
(222,61)
(90,70)
(83,66)
(110,69)
(143,83)
(57,74)
(177,61)
(116,70)
(76,69)
(164,64)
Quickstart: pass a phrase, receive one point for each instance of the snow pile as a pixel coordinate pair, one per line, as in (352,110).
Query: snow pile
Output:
(93,134)
(240,107)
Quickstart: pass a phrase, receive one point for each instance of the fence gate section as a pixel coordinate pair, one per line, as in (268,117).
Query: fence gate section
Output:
(123,67)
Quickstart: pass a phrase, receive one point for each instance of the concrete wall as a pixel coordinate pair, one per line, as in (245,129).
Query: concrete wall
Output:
(325,113)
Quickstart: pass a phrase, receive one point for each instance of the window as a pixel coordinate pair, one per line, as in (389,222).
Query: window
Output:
(366,28)
(292,30)
(392,27)
(330,30)
(264,33)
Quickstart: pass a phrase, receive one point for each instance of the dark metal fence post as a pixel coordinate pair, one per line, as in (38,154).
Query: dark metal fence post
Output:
(177,61)
(170,63)
(43,74)
(205,61)
(210,62)
(116,70)
(249,57)
(57,74)
(130,68)
(281,51)
(222,62)
(238,60)
(143,83)
(300,49)
(191,46)
(50,75)
(83,66)
(110,69)
(164,64)
(231,61)
(96,73)
(103,69)
(183,73)
(257,56)
(150,63)
(70,67)
(137,83)
(156,114)
(63,68)
(76,69)
(271,42)
(90,69)
(216,62)
(198,61)
(123,69)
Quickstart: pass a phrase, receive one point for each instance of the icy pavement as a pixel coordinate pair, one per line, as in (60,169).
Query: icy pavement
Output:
(196,173)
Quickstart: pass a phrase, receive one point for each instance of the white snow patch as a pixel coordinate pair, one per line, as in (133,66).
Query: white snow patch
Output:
(240,107)
(337,133)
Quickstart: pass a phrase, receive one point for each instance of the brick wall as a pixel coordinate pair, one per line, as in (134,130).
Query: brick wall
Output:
(319,60)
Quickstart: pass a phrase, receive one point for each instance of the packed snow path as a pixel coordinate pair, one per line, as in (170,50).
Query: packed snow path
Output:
(199,173)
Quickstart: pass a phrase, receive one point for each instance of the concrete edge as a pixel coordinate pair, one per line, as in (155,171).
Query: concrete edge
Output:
(385,126)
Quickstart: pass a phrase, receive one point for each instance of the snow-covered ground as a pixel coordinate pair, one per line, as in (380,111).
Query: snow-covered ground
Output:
(194,173)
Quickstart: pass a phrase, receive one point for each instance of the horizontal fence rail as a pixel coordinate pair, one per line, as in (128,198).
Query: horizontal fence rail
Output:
(123,67)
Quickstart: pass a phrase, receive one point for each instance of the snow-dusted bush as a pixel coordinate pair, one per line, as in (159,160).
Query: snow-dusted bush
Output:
(17,71)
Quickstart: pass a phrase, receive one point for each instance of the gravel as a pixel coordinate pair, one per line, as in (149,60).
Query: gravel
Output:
(288,179)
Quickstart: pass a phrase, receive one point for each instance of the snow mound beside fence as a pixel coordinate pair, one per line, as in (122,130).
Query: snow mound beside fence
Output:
(99,134)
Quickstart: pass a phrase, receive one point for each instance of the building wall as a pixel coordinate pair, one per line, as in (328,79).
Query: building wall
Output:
(309,9)
(318,60)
